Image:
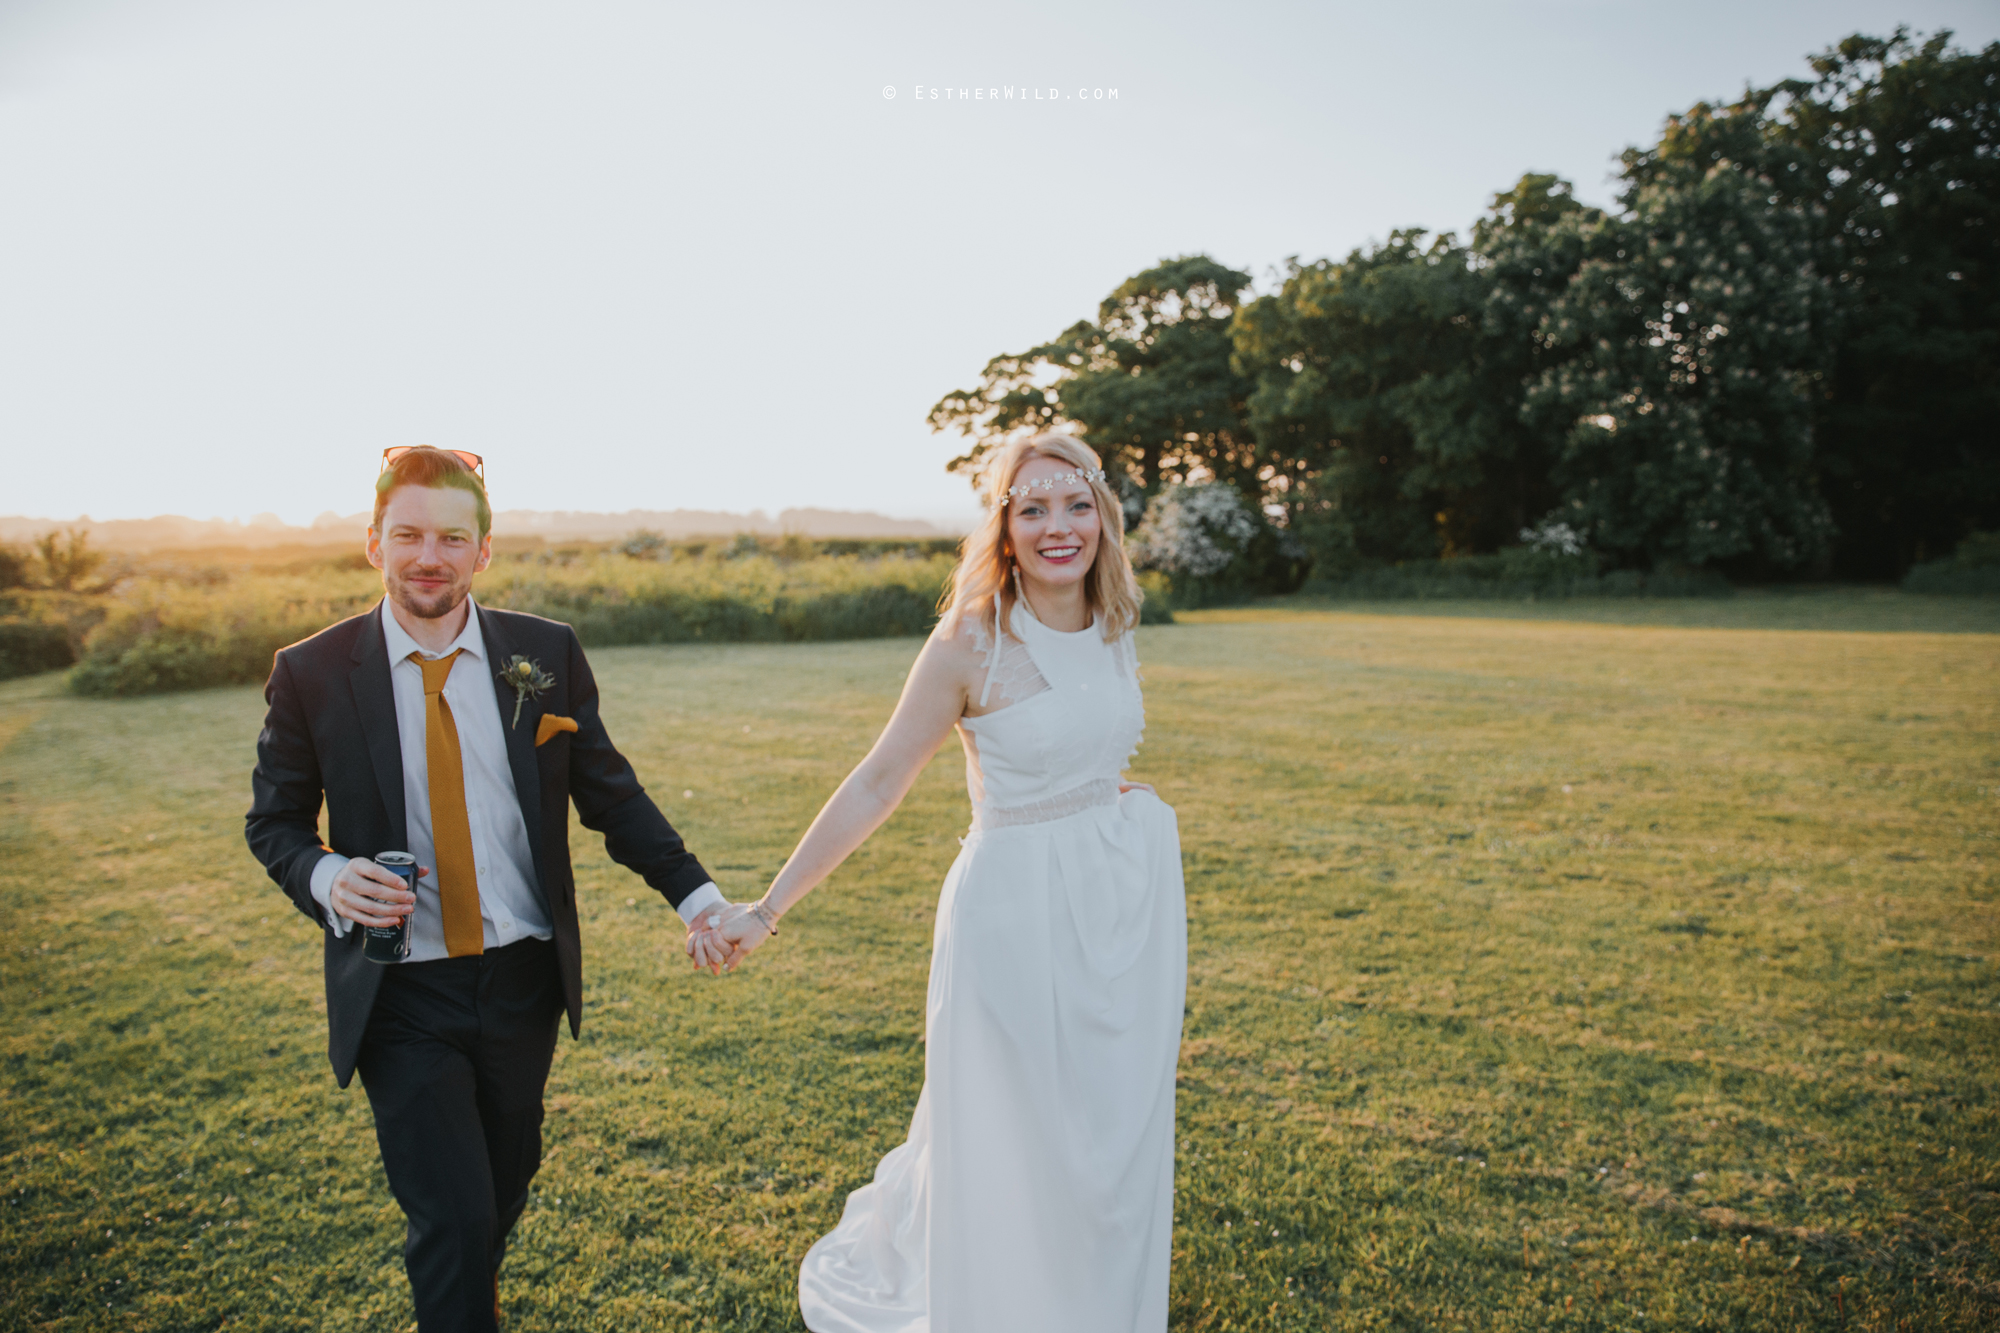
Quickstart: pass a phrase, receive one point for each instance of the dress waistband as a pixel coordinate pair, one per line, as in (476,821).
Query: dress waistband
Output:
(1096,792)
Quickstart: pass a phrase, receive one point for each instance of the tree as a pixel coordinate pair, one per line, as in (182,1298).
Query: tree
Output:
(1780,352)
(1385,411)
(1149,385)
(67,559)
(1679,345)
(1892,154)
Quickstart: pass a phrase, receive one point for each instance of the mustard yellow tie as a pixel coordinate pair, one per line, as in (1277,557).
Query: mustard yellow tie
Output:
(451,831)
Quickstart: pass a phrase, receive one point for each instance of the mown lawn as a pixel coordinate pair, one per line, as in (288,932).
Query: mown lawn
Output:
(1546,974)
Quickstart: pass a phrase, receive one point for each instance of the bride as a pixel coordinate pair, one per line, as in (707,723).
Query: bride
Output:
(1035,1191)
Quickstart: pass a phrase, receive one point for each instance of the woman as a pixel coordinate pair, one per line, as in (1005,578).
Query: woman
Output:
(1035,1191)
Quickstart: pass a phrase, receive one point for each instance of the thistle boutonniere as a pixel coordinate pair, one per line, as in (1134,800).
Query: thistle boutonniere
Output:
(527,679)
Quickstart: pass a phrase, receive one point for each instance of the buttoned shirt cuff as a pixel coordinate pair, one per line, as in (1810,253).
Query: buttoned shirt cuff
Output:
(700,901)
(322,892)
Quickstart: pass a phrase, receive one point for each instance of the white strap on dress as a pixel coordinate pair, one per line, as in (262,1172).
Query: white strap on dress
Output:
(992,653)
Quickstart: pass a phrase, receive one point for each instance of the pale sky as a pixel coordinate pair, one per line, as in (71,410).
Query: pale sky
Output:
(644,255)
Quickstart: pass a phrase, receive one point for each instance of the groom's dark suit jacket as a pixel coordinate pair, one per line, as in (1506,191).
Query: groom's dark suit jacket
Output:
(332,728)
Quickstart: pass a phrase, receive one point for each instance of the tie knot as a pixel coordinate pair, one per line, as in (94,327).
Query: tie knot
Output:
(436,670)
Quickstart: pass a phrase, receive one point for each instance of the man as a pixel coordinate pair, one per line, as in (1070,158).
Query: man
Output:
(419,725)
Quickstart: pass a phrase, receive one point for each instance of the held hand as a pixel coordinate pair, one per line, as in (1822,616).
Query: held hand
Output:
(368,895)
(704,947)
(742,933)
(721,938)
(1124,786)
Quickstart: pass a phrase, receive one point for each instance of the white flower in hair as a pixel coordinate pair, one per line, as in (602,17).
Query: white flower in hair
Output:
(1050,483)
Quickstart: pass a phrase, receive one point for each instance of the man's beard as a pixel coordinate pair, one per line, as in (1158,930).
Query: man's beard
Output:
(435,607)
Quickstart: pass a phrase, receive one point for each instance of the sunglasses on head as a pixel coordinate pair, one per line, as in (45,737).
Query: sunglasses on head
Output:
(473,461)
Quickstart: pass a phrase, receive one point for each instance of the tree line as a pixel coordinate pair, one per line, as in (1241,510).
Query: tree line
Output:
(1777,355)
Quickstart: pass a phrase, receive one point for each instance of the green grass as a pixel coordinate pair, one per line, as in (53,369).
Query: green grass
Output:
(1544,974)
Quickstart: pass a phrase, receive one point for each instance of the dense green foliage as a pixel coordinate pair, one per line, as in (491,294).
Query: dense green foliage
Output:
(1371,394)
(1891,154)
(1151,380)
(1517,573)
(1678,356)
(28,646)
(1543,976)
(162,632)
(191,620)
(1779,355)
(158,635)
(1974,568)
(46,605)
(15,567)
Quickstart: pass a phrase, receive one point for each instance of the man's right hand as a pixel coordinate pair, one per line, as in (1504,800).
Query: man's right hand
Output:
(722,938)
(368,895)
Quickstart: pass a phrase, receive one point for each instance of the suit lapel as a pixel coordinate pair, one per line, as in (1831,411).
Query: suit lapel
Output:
(520,739)
(375,703)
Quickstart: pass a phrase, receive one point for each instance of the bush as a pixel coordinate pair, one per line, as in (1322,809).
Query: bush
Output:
(736,593)
(643,544)
(28,647)
(1974,570)
(1550,568)
(883,611)
(164,635)
(911,548)
(1213,546)
(1552,561)
(1980,551)
(1517,573)
(1680,581)
(14,566)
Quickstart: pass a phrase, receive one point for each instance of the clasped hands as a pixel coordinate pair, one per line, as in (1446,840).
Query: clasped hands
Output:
(722,937)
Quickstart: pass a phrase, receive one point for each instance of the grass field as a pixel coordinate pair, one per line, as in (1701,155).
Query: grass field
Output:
(1545,975)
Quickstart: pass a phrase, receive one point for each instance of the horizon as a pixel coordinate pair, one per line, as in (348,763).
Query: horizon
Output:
(267,518)
(175,531)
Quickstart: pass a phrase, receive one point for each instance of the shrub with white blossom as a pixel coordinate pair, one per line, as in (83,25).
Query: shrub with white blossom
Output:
(1553,538)
(1194,530)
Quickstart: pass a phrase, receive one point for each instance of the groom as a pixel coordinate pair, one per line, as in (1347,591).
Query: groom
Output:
(419,727)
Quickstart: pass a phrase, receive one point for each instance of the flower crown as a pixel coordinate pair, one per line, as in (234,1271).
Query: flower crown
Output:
(1050,483)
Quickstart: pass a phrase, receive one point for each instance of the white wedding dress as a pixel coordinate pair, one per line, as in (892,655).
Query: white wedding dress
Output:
(1036,1191)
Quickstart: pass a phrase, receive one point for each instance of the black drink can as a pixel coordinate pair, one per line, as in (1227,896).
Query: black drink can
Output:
(391,944)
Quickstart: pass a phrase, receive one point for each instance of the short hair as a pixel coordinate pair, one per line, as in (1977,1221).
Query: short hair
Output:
(439,468)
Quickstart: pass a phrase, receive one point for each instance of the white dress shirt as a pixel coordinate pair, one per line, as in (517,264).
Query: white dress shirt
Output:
(510,907)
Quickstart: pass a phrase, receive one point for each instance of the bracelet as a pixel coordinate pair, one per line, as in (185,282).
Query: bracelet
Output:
(763,913)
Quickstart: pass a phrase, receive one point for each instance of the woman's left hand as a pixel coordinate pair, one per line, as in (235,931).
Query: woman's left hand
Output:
(1124,786)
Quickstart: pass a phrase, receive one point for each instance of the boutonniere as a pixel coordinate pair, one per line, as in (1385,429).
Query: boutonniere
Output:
(527,680)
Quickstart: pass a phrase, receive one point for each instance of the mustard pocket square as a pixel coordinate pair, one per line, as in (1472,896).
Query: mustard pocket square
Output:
(551,726)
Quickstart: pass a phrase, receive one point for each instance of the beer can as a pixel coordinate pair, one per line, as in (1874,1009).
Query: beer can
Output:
(391,944)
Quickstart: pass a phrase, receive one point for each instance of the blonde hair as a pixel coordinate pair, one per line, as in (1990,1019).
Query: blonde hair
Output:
(985,574)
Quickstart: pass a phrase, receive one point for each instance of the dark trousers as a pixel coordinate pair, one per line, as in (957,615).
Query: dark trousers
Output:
(454,1059)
